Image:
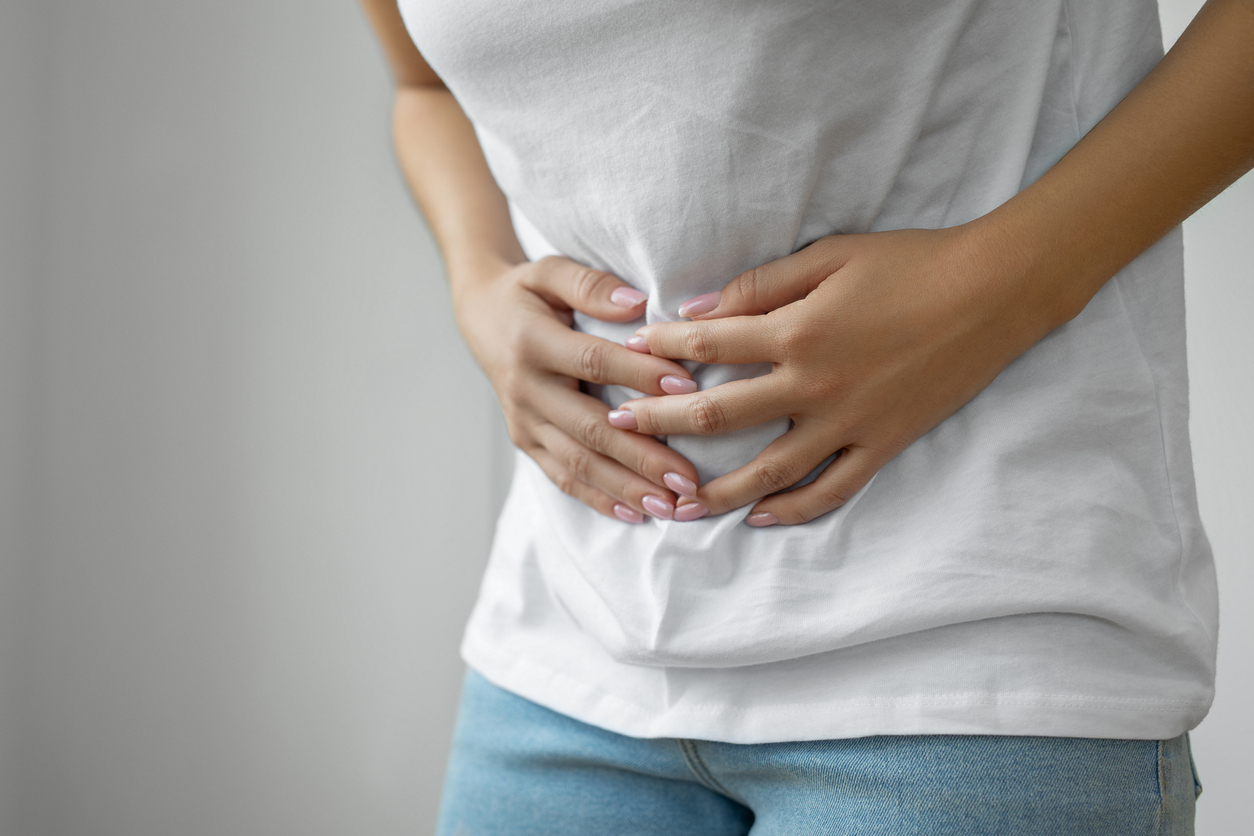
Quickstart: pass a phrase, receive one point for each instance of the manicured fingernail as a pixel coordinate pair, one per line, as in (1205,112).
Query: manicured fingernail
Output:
(628,514)
(623,419)
(638,344)
(698,305)
(680,485)
(675,385)
(762,519)
(658,507)
(627,297)
(691,511)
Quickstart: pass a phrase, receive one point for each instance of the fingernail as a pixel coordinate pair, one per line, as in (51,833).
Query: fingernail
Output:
(698,305)
(623,419)
(638,344)
(658,507)
(675,385)
(628,514)
(680,485)
(627,297)
(762,519)
(691,511)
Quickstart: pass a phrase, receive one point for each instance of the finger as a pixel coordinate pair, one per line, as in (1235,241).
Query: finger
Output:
(583,418)
(592,359)
(637,343)
(606,475)
(594,292)
(727,407)
(746,339)
(773,285)
(785,462)
(582,491)
(841,480)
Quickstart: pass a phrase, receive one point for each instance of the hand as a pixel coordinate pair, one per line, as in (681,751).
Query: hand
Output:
(517,321)
(874,340)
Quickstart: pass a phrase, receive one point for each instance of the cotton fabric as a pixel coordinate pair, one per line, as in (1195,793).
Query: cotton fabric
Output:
(1034,565)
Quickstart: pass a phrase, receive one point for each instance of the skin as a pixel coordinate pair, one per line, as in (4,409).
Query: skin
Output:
(874,339)
(516,315)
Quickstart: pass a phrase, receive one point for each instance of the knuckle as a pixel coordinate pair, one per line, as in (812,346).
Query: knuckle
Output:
(772,477)
(592,363)
(585,282)
(514,388)
(639,454)
(592,430)
(791,336)
(641,462)
(579,462)
(750,285)
(796,517)
(519,344)
(511,385)
(548,268)
(538,273)
(833,496)
(700,347)
(630,490)
(707,417)
(566,482)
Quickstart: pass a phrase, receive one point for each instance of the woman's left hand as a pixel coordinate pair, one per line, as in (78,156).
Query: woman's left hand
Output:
(874,339)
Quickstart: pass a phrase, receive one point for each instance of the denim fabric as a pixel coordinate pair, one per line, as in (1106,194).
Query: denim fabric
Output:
(519,769)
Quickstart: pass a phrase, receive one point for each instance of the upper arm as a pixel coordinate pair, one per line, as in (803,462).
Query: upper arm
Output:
(409,68)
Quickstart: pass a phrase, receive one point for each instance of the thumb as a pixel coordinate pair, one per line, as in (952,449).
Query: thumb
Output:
(566,283)
(773,285)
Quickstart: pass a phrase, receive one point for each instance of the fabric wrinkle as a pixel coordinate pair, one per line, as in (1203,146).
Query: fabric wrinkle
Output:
(1038,551)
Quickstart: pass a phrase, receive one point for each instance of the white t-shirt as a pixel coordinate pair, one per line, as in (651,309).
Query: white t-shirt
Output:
(1034,565)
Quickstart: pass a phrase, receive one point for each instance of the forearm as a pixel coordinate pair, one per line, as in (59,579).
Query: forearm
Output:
(516,317)
(1179,138)
(449,177)
(441,159)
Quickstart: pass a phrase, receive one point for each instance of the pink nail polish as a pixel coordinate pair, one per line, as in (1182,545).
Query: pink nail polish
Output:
(623,419)
(628,514)
(658,507)
(691,511)
(627,297)
(698,305)
(638,344)
(675,385)
(762,519)
(680,485)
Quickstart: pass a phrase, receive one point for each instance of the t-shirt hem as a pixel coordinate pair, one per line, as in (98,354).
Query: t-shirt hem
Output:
(970,713)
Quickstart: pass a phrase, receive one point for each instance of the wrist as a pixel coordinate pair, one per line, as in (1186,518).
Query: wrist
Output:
(473,270)
(1042,284)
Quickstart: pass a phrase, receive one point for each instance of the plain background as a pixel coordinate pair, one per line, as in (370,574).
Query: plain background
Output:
(247,470)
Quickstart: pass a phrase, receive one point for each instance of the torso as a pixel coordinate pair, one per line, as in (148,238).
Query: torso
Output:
(1014,569)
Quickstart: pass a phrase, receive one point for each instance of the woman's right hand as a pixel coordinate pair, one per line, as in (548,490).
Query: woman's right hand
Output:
(517,318)
(518,323)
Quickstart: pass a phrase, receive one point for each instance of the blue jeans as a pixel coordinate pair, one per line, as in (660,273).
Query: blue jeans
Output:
(518,768)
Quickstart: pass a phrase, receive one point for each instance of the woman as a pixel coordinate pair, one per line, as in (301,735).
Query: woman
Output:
(897,532)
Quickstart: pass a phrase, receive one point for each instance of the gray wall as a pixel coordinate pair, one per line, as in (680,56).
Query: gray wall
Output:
(22,86)
(1219,259)
(247,471)
(1219,283)
(262,451)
